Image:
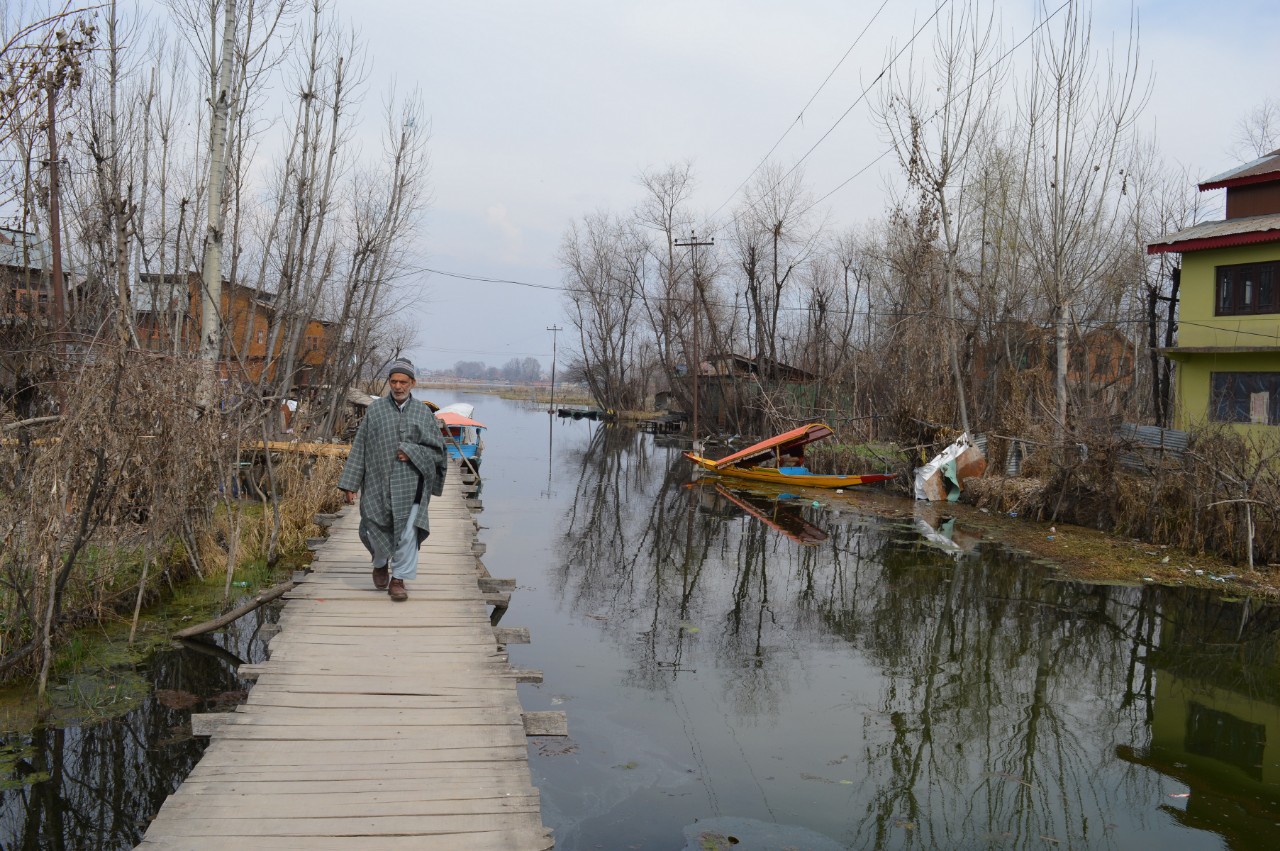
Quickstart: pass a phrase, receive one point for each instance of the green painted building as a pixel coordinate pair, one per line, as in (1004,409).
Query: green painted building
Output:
(1228,350)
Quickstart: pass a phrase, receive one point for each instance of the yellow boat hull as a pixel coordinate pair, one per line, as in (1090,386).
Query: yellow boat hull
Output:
(777,477)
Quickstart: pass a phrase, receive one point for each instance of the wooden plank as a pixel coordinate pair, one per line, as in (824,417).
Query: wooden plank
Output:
(424,772)
(400,718)
(488,840)
(546,724)
(208,723)
(363,759)
(353,827)
(446,787)
(512,635)
(322,807)
(477,699)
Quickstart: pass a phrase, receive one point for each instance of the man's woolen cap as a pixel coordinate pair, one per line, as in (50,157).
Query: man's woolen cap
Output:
(401,365)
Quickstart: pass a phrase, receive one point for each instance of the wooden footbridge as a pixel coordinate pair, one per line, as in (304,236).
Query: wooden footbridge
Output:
(374,724)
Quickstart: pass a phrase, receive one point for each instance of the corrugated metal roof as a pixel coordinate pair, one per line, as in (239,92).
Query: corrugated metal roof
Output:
(1150,447)
(23,250)
(1250,172)
(169,294)
(1249,229)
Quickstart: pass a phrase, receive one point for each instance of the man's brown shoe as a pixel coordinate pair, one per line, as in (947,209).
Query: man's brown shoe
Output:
(397,591)
(380,577)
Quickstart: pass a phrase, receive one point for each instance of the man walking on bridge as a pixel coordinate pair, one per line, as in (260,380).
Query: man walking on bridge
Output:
(397,463)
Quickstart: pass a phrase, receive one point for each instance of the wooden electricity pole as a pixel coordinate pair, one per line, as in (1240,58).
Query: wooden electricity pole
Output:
(695,371)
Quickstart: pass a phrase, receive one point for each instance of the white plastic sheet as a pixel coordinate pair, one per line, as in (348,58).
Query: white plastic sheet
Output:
(940,461)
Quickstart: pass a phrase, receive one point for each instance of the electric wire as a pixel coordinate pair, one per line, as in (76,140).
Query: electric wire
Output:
(800,116)
(877,314)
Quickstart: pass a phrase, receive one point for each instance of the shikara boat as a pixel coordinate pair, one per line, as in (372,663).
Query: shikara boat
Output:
(767,461)
(461,432)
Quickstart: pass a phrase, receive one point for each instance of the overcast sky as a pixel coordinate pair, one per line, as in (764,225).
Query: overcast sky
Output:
(544,110)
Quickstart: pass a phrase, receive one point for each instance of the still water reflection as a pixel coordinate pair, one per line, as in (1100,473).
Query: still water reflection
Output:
(788,673)
(735,663)
(95,787)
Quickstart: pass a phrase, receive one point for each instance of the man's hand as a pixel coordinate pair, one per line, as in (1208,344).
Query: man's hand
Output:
(350,497)
(400,456)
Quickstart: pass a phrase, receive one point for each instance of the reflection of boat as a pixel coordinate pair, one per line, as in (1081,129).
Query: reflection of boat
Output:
(751,462)
(462,433)
(772,513)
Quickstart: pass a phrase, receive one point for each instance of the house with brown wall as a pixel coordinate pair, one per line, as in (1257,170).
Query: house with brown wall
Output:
(168,319)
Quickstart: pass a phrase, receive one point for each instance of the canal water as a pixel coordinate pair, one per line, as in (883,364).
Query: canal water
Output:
(760,670)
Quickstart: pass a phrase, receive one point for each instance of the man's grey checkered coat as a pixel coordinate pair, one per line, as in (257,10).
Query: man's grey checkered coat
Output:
(387,486)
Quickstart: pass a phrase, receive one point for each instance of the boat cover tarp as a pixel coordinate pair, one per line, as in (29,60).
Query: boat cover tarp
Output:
(450,418)
(765,449)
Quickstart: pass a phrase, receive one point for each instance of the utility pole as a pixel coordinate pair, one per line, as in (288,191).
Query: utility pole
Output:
(554,329)
(693,245)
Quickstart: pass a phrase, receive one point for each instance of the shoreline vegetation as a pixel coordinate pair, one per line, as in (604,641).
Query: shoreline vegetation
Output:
(132,492)
(1157,524)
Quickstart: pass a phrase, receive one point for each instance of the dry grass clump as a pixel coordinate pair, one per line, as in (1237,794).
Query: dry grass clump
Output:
(304,487)
(88,500)
(1024,497)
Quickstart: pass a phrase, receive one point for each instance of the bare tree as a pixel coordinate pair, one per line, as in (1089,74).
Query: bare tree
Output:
(1079,119)
(1257,133)
(603,296)
(935,143)
(776,236)
(663,216)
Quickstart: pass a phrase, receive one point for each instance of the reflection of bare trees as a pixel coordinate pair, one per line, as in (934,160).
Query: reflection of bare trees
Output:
(1000,698)
(98,785)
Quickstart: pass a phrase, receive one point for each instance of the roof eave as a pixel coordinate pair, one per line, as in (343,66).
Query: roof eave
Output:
(1266,177)
(1206,243)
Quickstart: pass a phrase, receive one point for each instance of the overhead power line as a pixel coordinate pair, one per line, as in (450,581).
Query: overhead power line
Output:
(884,70)
(800,115)
(792,308)
(990,68)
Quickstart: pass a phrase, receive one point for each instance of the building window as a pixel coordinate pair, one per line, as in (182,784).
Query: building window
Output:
(1245,397)
(1246,288)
